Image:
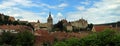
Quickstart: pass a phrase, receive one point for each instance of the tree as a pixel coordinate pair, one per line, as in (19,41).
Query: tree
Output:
(6,18)
(68,42)
(104,38)
(60,44)
(90,26)
(99,39)
(6,38)
(15,23)
(30,26)
(59,26)
(25,38)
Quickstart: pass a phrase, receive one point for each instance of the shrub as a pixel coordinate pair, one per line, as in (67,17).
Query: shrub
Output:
(105,38)
(24,38)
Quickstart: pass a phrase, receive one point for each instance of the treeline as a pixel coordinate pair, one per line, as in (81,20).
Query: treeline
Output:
(105,38)
(24,38)
(4,20)
(59,27)
(113,24)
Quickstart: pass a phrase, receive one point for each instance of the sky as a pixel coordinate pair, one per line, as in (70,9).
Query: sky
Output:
(94,11)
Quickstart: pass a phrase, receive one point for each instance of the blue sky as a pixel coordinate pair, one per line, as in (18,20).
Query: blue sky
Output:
(94,11)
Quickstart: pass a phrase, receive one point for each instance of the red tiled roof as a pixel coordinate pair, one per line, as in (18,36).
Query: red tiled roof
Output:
(17,27)
(101,28)
(43,36)
(41,32)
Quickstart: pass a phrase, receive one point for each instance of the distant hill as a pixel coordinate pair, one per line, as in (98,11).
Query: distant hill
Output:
(113,24)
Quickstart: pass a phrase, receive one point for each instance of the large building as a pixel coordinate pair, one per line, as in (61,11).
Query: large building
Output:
(44,26)
(1,16)
(11,19)
(79,24)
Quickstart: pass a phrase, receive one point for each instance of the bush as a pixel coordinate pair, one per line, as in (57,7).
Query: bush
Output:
(60,44)
(69,42)
(105,38)
(24,38)
(6,38)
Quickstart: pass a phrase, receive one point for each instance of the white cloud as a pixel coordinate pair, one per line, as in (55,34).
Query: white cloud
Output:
(85,2)
(11,8)
(29,3)
(63,5)
(80,8)
(6,4)
(59,14)
(46,5)
(25,15)
(17,3)
(58,17)
(57,7)
(103,12)
(24,2)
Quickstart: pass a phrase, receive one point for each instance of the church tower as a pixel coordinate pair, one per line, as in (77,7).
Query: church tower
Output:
(38,21)
(50,20)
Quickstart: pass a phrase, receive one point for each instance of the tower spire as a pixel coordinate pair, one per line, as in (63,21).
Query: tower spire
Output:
(50,20)
(49,14)
(49,17)
(38,21)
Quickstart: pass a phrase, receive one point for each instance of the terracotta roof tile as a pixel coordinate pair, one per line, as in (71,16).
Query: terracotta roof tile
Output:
(17,27)
(101,28)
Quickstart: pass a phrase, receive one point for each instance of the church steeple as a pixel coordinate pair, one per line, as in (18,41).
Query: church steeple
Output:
(50,20)
(49,13)
(38,21)
(50,17)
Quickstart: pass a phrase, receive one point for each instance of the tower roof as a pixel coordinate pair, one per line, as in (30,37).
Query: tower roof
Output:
(50,17)
(38,21)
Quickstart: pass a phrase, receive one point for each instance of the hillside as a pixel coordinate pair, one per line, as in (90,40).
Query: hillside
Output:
(113,24)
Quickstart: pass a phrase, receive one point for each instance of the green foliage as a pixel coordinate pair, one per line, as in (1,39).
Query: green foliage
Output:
(90,26)
(98,39)
(5,20)
(105,38)
(30,25)
(72,42)
(46,44)
(15,23)
(60,44)
(6,38)
(69,42)
(24,38)
(59,27)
